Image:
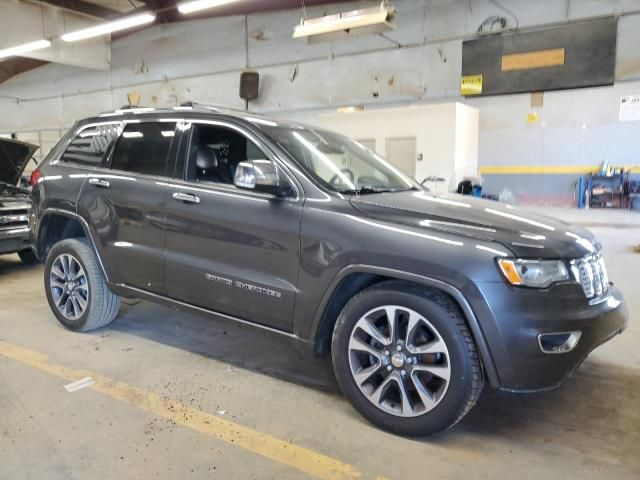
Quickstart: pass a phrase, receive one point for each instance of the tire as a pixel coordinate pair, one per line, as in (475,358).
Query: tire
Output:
(442,376)
(100,304)
(28,257)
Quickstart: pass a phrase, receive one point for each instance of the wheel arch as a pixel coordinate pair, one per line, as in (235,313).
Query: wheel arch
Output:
(355,278)
(56,225)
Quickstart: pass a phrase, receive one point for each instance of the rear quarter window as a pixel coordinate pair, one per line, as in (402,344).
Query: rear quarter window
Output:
(90,145)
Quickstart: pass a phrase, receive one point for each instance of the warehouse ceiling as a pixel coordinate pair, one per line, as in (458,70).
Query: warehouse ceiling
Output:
(113,9)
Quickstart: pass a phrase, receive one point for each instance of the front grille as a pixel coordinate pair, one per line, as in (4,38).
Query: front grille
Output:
(13,217)
(591,273)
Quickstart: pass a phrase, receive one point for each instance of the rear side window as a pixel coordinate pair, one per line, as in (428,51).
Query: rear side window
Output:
(90,145)
(144,147)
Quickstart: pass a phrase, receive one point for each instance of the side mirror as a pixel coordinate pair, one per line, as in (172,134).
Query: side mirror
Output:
(261,176)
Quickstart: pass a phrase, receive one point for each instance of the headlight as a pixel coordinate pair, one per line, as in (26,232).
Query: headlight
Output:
(533,273)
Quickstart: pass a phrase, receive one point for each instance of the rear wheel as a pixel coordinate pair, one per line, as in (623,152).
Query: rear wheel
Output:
(405,358)
(76,291)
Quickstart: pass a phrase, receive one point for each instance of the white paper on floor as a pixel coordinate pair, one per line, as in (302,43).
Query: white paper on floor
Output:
(77,385)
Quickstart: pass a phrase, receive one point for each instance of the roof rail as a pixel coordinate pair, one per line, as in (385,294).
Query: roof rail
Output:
(183,106)
(128,109)
(211,107)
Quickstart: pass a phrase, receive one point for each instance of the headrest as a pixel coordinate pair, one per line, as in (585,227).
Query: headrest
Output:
(206,158)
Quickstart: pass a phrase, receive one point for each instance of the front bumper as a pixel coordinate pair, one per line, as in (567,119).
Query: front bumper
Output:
(14,240)
(516,317)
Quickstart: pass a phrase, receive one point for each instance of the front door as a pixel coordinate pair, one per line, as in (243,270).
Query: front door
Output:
(401,152)
(125,204)
(229,250)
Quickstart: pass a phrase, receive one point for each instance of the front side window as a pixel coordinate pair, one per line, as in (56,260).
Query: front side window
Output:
(338,162)
(216,151)
(144,148)
(89,146)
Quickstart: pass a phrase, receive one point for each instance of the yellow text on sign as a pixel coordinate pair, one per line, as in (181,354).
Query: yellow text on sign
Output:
(471,85)
(538,59)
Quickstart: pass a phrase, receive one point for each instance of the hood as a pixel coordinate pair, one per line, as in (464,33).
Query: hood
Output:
(525,234)
(14,157)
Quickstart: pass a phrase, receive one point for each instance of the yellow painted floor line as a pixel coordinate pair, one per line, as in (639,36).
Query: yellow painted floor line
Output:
(303,459)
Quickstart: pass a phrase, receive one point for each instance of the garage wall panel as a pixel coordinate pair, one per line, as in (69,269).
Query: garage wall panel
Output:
(189,48)
(628,51)
(392,75)
(442,69)
(294,86)
(37,115)
(76,107)
(219,89)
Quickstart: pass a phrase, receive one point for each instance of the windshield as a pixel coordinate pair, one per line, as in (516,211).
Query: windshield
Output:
(339,163)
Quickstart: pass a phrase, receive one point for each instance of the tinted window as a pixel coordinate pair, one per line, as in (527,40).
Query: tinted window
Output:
(143,148)
(89,147)
(216,151)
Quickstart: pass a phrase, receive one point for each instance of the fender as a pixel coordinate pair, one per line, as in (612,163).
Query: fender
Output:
(85,227)
(472,320)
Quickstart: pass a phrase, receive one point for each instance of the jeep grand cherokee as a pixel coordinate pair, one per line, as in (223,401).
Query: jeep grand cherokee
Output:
(419,298)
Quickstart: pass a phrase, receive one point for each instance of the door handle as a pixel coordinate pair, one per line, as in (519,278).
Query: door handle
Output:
(186,197)
(99,182)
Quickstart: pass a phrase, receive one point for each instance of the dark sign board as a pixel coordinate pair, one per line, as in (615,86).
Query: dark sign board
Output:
(574,55)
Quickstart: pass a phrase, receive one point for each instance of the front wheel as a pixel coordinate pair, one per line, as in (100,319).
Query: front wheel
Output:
(405,358)
(76,290)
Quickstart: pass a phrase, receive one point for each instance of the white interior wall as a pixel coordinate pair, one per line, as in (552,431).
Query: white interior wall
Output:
(466,141)
(419,62)
(437,128)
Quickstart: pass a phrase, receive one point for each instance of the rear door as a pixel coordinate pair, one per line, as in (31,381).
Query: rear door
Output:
(230,250)
(125,201)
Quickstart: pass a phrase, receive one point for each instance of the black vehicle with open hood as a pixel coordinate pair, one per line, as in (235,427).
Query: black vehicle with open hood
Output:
(14,201)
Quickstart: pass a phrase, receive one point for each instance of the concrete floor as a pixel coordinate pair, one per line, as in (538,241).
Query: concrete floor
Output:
(201,399)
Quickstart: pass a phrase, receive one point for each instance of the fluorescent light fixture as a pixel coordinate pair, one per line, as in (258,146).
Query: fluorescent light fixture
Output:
(25,48)
(196,5)
(109,27)
(347,24)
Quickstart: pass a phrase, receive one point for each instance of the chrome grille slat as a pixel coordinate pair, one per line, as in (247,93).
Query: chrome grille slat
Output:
(591,273)
(13,217)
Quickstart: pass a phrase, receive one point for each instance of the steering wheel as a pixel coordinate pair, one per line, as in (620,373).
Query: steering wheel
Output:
(334,180)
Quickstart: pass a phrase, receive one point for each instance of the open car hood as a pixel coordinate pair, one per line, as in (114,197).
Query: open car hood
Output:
(14,157)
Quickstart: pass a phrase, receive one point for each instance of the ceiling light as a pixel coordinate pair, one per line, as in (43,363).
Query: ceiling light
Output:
(109,27)
(27,47)
(196,5)
(347,24)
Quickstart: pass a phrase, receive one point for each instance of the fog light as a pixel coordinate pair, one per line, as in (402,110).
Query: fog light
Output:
(561,342)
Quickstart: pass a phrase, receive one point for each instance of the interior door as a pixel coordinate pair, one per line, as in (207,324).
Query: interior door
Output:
(229,250)
(401,152)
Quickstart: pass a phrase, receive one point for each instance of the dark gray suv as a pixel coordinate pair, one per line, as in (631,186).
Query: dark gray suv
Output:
(419,298)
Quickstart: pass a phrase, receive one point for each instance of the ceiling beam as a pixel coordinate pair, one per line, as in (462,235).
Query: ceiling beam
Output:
(85,8)
(23,22)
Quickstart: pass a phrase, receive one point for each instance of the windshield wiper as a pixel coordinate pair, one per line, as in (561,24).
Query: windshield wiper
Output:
(364,190)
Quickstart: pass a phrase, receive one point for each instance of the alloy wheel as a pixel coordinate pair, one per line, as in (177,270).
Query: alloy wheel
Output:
(399,361)
(69,286)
